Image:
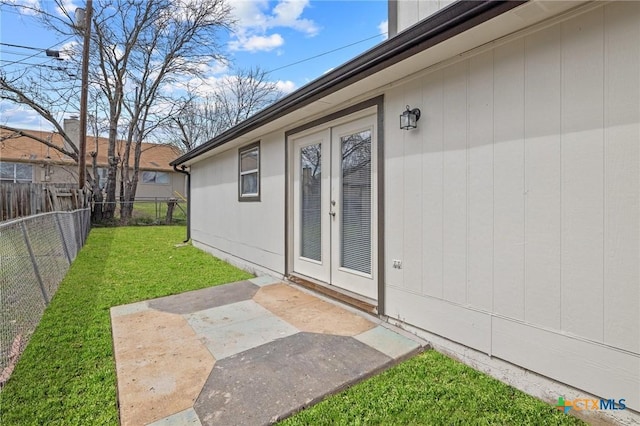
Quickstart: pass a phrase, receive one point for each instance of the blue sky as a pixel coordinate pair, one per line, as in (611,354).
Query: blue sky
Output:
(271,34)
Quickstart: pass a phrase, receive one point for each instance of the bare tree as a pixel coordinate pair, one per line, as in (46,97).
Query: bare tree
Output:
(195,122)
(139,47)
(234,99)
(23,89)
(29,89)
(142,46)
(96,128)
(243,94)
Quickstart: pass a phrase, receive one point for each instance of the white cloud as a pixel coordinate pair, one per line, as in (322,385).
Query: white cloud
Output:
(287,14)
(211,74)
(68,6)
(286,86)
(200,86)
(65,8)
(70,49)
(207,85)
(255,19)
(250,13)
(26,7)
(257,43)
(21,117)
(218,67)
(383,28)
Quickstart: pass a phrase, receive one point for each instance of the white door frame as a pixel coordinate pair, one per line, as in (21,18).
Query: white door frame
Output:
(319,269)
(366,285)
(358,282)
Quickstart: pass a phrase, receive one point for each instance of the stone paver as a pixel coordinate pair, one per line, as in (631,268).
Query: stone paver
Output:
(131,308)
(206,298)
(388,342)
(234,328)
(250,352)
(309,313)
(161,365)
(188,417)
(265,280)
(262,384)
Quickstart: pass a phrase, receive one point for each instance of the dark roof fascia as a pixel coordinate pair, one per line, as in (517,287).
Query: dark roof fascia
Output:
(447,23)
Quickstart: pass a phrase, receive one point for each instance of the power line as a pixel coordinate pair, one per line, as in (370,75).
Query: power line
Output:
(38,52)
(22,47)
(23,66)
(326,53)
(32,64)
(16,53)
(69,72)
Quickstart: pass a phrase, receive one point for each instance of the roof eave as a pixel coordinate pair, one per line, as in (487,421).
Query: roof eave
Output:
(448,22)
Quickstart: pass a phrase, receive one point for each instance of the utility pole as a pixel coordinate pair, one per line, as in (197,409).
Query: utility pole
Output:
(84,92)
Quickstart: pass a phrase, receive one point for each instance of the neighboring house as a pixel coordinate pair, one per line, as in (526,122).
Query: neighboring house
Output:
(505,228)
(23,159)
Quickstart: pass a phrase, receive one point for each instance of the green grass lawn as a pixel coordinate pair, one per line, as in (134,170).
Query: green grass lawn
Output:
(66,376)
(431,389)
(156,212)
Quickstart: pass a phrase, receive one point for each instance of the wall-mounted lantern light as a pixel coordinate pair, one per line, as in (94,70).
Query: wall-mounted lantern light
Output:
(409,118)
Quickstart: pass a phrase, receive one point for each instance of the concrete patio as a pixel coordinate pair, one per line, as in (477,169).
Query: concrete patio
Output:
(250,352)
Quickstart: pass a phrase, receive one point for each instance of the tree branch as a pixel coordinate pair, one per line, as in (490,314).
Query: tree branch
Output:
(21,133)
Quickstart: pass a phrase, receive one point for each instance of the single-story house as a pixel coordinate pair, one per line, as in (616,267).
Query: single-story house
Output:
(23,159)
(504,227)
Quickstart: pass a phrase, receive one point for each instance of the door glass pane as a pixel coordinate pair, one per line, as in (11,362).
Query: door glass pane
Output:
(356,202)
(310,190)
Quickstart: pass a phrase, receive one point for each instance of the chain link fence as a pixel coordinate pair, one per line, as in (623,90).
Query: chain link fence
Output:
(35,255)
(153,211)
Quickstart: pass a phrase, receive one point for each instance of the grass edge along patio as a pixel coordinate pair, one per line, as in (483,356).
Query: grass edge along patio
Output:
(67,373)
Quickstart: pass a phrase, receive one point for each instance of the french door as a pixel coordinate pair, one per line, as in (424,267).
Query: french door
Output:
(334,194)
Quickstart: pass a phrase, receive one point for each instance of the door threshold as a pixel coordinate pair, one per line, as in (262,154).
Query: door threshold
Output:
(355,300)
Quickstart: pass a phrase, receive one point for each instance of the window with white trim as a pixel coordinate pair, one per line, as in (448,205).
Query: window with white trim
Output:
(16,172)
(249,173)
(160,178)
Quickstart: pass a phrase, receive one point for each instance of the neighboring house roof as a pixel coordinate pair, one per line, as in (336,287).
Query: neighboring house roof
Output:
(453,20)
(27,150)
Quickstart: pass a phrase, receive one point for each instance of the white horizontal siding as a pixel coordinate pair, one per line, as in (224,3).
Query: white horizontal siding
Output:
(543,150)
(529,190)
(607,372)
(508,180)
(454,164)
(582,175)
(480,182)
(443,318)
(253,231)
(621,290)
(412,148)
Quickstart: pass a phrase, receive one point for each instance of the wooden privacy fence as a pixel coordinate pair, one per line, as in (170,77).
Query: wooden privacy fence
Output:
(26,199)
